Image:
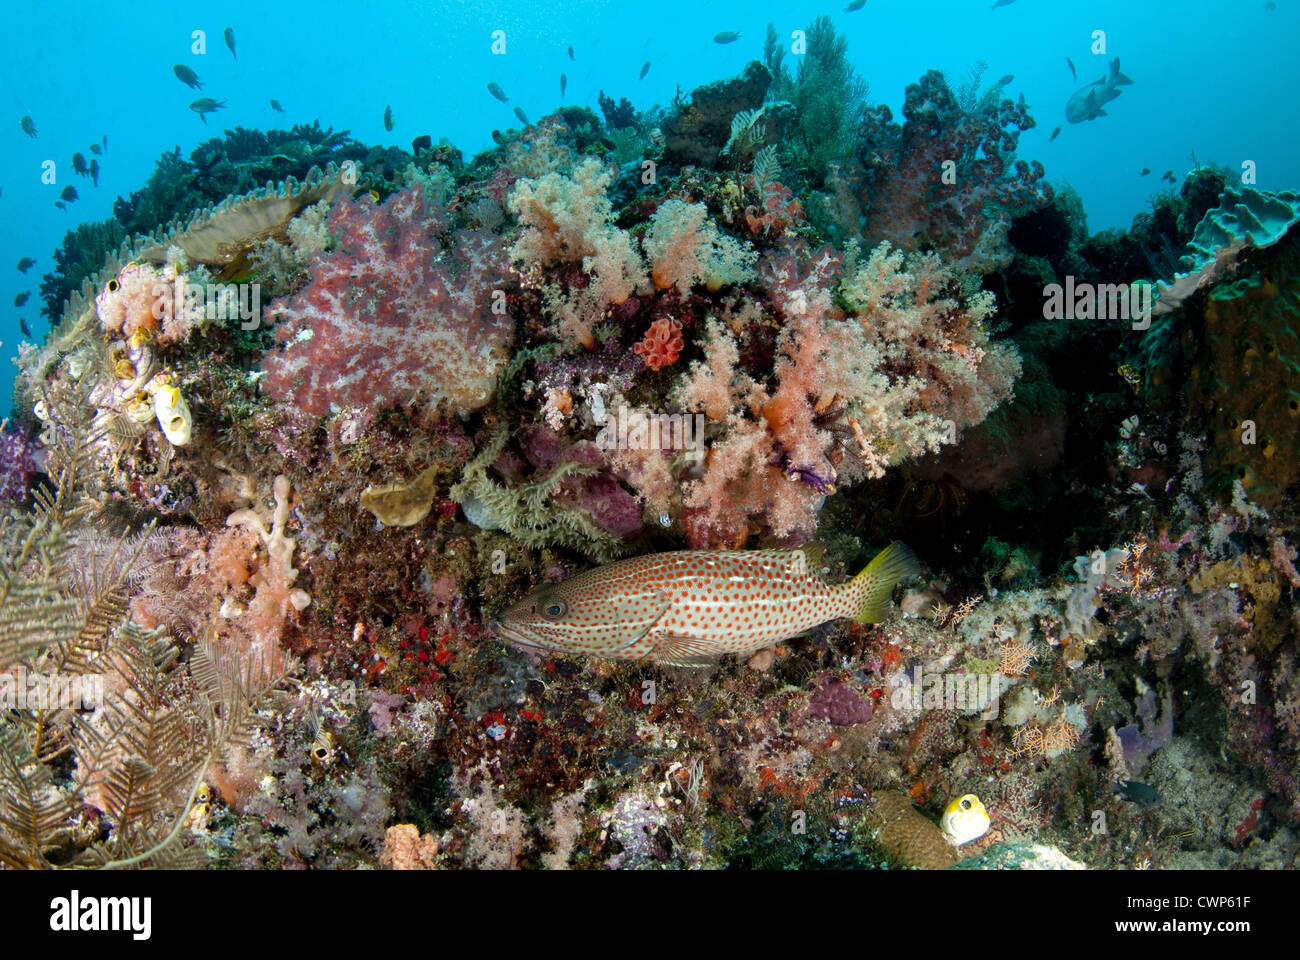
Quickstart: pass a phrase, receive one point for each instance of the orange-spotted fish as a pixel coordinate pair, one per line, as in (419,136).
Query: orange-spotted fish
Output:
(689,607)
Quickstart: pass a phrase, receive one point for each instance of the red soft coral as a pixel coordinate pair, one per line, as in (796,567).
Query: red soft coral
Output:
(662,343)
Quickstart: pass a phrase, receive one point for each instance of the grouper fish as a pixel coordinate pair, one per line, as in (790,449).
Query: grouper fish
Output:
(689,607)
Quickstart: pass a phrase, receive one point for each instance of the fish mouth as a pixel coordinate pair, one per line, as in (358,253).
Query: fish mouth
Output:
(506,632)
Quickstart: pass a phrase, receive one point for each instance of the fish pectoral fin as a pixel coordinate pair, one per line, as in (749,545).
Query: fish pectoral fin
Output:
(643,644)
(679,651)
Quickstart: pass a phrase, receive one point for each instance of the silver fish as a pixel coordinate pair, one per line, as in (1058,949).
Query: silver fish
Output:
(1086,103)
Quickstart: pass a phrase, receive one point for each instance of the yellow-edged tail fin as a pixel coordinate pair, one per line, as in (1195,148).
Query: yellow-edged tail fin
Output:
(891,565)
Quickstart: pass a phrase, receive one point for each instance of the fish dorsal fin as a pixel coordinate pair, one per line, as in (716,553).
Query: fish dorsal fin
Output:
(681,651)
(806,561)
(816,553)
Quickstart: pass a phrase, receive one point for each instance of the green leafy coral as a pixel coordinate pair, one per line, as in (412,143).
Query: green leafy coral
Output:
(526,512)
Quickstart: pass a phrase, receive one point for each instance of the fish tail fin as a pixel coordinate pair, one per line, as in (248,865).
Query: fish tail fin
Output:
(876,582)
(1117,79)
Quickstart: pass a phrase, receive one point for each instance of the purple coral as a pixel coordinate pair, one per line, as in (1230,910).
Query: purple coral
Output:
(390,314)
(1140,742)
(600,495)
(21,458)
(836,701)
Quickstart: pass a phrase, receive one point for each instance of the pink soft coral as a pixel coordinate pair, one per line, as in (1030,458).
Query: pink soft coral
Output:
(850,396)
(390,315)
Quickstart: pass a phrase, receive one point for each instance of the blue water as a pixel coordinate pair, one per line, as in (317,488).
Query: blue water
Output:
(1213,80)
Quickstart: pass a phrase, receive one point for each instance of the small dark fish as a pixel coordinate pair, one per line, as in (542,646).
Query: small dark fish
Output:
(206,105)
(1055,133)
(22,325)
(187,76)
(523,117)
(1007,79)
(96,150)
(726,36)
(275,105)
(1073,73)
(644,70)
(564,82)
(60,204)
(1145,171)
(94,171)
(571,53)
(29,127)
(422,142)
(855,6)
(25,264)
(21,299)
(230,41)
(69,194)
(388,117)
(1169,175)
(1002,3)
(496,91)
(79,165)
(104,141)
(1144,795)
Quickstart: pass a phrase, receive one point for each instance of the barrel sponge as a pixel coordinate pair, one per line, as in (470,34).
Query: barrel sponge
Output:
(1246,377)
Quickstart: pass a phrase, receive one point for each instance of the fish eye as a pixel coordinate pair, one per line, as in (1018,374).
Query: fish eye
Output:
(965,803)
(112,285)
(554,609)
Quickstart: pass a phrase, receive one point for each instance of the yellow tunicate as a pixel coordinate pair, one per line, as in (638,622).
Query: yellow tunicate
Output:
(173,415)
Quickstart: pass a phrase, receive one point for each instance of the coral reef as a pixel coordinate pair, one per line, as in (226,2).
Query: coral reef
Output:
(763,316)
